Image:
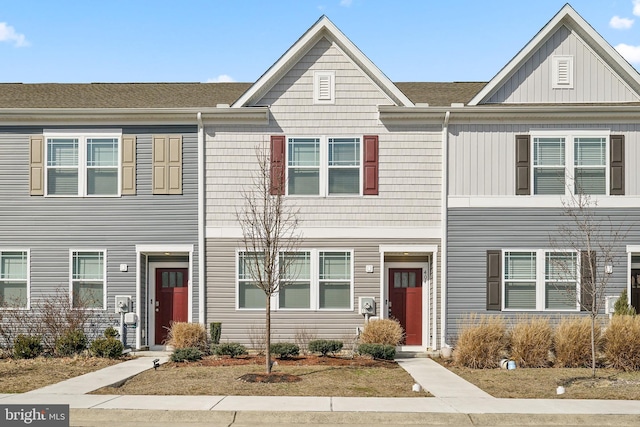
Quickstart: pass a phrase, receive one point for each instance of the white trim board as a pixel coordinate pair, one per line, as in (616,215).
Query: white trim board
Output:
(408,233)
(537,201)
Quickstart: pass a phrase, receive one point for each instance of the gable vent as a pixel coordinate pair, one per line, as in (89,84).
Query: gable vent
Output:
(324,87)
(563,72)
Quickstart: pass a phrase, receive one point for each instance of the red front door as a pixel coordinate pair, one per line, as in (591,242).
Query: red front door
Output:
(172,294)
(405,301)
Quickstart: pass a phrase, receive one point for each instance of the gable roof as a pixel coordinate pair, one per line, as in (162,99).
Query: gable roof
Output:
(322,28)
(568,17)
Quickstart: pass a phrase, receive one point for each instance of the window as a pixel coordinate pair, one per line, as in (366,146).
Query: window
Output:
(315,280)
(540,280)
(324,166)
(571,162)
(14,278)
(82,165)
(88,279)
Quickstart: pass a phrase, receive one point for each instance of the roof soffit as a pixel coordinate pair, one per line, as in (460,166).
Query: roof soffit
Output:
(569,18)
(323,28)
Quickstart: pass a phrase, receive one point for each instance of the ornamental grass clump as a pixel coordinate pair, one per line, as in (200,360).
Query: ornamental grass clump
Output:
(185,335)
(572,342)
(382,331)
(482,342)
(622,343)
(531,341)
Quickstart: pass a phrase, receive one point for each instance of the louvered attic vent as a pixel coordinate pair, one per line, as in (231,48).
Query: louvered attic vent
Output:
(324,87)
(562,72)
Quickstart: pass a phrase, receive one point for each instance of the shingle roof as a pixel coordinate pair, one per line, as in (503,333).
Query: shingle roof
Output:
(185,95)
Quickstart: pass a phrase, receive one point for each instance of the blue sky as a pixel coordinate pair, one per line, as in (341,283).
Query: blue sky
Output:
(80,41)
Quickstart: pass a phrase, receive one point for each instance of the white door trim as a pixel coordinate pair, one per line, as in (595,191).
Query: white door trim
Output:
(151,326)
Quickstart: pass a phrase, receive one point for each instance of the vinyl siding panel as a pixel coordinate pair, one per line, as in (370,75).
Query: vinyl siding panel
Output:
(471,232)
(482,156)
(52,226)
(239,325)
(593,80)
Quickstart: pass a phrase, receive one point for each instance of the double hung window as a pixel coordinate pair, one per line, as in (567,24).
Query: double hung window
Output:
(88,279)
(82,164)
(324,166)
(540,280)
(14,279)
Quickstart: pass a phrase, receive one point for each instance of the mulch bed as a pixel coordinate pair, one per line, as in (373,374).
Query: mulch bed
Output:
(306,360)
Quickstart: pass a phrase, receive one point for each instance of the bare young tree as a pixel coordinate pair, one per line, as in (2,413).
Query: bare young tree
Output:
(594,240)
(270,233)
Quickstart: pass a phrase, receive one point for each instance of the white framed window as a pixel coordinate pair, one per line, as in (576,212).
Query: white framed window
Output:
(324,166)
(540,280)
(324,87)
(316,279)
(88,282)
(14,279)
(566,162)
(82,164)
(562,73)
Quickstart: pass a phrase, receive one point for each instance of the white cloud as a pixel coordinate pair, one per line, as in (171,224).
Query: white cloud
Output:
(8,34)
(636,7)
(345,3)
(628,52)
(222,78)
(620,23)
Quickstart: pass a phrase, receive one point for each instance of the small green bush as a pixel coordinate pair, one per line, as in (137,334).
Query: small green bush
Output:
(106,347)
(71,342)
(215,330)
(622,307)
(187,354)
(111,332)
(27,346)
(378,351)
(284,350)
(325,347)
(232,349)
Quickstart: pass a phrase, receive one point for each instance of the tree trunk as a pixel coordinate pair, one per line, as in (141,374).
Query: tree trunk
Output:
(593,345)
(267,332)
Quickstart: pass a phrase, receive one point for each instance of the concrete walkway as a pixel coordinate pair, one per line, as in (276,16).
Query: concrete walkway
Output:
(453,396)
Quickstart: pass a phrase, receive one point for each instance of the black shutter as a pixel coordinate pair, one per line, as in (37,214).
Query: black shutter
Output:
(616,165)
(587,279)
(494,279)
(523,165)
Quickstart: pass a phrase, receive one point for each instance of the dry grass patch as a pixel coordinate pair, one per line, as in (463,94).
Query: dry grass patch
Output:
(482,342)
(374,378)
(19,376)
(531,342)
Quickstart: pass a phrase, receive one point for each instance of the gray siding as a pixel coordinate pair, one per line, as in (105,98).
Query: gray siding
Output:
(474,231)
(593,79)
(51,227)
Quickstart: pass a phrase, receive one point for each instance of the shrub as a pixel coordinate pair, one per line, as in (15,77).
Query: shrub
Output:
(27,346)
(622,343)
(188,354)
(302,338)
(284,350)
(482,342)
(106,347)
(378,351)
(572,342)
(531,342)
(622,307)
(325,347)
(183,335)
(111,332)
(71,342)
(382,331)
(215,330)
(232,349)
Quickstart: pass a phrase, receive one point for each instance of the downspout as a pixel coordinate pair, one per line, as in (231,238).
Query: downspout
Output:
(444,213)
(202,185)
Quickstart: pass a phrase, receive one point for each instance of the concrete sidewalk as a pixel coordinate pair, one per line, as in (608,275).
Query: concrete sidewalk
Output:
(454,397)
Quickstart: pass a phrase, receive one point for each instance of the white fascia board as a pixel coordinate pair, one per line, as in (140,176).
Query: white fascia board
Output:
(323,27)
(408,233)
(161,248)
(566,16)
(532,202)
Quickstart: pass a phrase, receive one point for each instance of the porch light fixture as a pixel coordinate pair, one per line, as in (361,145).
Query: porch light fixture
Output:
(608,268)
(167,253)
(406,253)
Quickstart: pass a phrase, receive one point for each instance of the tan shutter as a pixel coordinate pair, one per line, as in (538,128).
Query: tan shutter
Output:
(523,165)
(174,164)
(36,165)
(159,160)
(616,171)
(128,165)
(494,279)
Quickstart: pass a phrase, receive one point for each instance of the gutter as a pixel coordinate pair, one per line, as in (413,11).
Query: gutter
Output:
(444,222)
(202,185)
